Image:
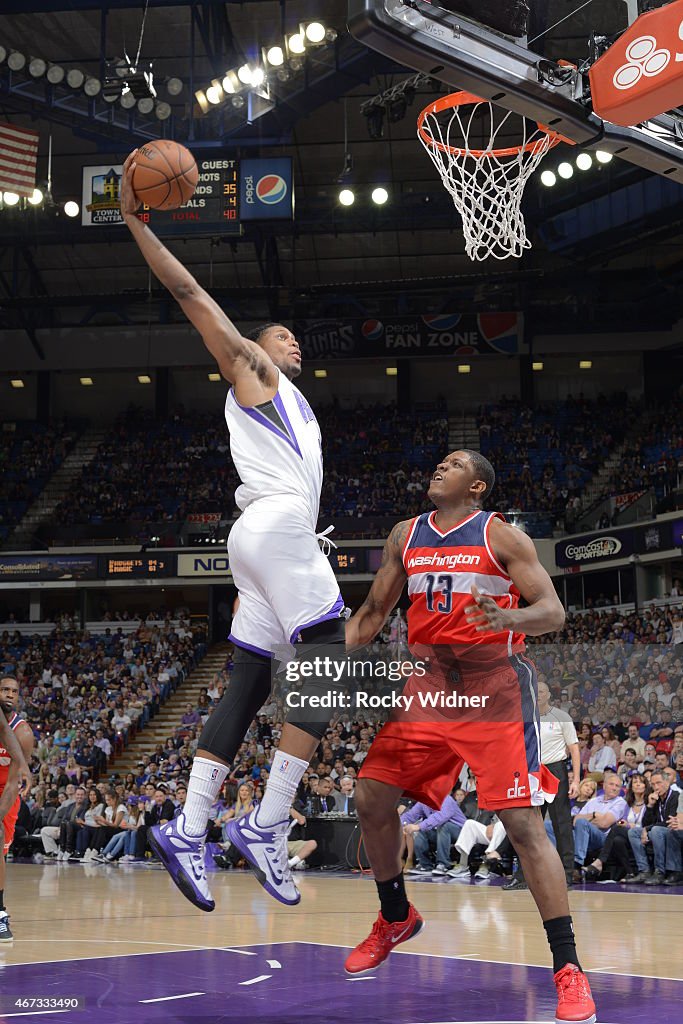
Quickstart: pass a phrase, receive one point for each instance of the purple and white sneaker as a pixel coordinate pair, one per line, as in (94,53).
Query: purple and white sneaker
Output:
(183,858)
(266,851)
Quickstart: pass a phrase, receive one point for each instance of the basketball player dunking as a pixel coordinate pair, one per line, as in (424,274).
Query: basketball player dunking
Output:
(287,589)
(16,746)
(465,570)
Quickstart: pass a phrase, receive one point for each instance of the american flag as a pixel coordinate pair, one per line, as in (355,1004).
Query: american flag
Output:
(18,153)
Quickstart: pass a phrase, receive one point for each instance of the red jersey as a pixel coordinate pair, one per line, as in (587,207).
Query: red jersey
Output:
(13,721)
(441,569)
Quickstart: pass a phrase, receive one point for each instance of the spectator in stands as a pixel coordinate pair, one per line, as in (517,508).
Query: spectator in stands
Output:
(634,741)
(616,847)
(323,802)
(662,806)
(108,823)
(596,818)
(160,811)
(298,848)
(87,826)
(346,801)
(433,832)
(602,757)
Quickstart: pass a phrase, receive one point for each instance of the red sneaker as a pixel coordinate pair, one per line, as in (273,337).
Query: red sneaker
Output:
(384,937)
(574,999)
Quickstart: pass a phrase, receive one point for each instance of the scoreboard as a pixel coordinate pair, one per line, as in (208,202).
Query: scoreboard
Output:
(214,206)
(229,191)
(137,566)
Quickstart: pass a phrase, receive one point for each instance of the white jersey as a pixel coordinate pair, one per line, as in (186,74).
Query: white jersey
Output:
(277,448)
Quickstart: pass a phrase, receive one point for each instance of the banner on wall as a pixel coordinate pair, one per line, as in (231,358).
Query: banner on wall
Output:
(209,564)
(266,188)
(459,334)
(594,547)
(47,567)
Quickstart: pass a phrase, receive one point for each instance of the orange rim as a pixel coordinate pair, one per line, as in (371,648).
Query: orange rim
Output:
(463,99)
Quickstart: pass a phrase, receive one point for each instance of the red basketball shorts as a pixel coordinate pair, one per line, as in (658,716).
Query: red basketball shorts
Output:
(9,823)
(425,758)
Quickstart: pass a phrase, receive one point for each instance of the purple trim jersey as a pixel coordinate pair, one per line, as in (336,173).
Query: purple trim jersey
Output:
(277,449)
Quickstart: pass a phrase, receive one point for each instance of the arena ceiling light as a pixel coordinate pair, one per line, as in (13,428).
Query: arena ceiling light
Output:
(584,161)
(86,381)
(16,61)
(245,74)
(127,100)
(548,178)
(37,67)
(146,105)
(37,197)
(538,366)
(144,378)
(75,78)
(565,170)
(214,377)
(602,157)
(379,195)
(464,368)
(320,374)
(3,53)
(585,364)
(55,74)
(10,198)
(274,56)
(174,86)
(163,110)
(92,86)
(347,197)
(202,101)
(315,32)
(391,371)
(296,43)
(231,83)
(17,382)
(71,208)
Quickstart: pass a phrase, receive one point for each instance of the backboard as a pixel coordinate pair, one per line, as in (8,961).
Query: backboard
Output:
(522,73)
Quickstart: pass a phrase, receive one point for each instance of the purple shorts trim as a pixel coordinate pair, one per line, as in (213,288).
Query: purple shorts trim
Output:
(249,647)
(332,614)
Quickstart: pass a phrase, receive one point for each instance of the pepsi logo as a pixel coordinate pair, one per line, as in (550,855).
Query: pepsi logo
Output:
(442,322)
(372,330)
(271,189)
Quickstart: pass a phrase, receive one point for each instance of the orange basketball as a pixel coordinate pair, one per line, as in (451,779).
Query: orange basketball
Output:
(165,175)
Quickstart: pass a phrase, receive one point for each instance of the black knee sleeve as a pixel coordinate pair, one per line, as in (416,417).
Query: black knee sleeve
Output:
(247,691)
(314,642)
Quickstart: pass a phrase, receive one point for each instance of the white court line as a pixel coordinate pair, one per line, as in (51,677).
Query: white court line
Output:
(32,1013)
(273,963)
(255,981)
(167,999)
(231,949)
(308,942)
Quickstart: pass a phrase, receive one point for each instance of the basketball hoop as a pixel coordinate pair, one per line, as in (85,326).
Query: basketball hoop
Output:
(487,184)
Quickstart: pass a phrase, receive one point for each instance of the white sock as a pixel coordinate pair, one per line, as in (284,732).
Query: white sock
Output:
(285,775)
(294,860)
(206,779)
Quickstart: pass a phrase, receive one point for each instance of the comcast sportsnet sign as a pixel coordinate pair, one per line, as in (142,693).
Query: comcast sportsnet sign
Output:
(266,189)
(597,547)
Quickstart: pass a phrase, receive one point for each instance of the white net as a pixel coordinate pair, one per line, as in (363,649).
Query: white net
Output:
(469,143)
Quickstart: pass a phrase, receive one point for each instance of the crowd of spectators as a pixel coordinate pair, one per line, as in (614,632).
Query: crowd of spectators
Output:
(655,461)
(30,453)
(544,457)
(87,696)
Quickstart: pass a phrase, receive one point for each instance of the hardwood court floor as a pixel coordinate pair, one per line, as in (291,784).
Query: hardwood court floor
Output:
(128,942)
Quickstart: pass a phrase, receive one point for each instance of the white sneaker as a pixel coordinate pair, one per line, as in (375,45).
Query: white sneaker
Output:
(88,855)
(266,851)
(482,871)
(38,858)
(459,871)
(183,858)
(440,869)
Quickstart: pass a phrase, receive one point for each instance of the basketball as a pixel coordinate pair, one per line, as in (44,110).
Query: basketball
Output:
(165,175)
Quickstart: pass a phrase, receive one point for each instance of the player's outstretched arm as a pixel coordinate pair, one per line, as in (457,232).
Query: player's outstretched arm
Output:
(385,591)
(237,357)
(517,554)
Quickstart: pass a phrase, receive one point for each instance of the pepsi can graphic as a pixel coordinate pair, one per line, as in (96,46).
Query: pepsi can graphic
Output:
(266,189)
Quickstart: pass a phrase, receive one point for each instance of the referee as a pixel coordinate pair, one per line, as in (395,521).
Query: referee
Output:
(558,742)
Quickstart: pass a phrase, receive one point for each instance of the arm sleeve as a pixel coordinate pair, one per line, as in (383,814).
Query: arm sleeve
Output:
(569,733)
(437,818)
(414,814)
